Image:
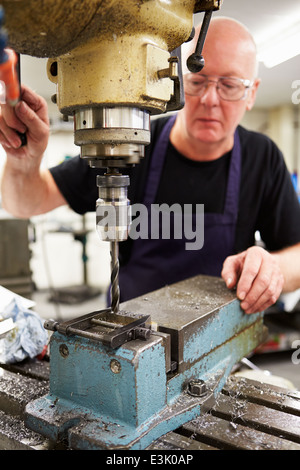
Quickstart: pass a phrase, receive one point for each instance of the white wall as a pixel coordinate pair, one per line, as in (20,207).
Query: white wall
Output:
(57,257)
(281,124)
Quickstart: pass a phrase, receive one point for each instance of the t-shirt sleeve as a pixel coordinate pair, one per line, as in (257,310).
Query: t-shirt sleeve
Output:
(280,216)
(77,182)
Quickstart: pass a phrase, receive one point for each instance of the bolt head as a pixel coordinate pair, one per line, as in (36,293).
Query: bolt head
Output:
(197,388)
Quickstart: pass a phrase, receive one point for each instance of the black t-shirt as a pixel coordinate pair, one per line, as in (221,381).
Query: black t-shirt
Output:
(267,200)
(185,181)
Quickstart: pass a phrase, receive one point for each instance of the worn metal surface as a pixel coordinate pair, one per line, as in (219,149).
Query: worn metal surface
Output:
(17,390)
(19,384)
(55,27)
(132,38)
(248,415)
(199,310)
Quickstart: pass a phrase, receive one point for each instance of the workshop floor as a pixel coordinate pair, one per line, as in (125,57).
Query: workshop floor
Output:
(273,365)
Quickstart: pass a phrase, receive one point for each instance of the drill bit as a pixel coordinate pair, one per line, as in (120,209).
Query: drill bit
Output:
(115,290)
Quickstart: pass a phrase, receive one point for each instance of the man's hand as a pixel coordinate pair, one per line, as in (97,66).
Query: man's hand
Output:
(26,189)
(257,276)
(29,116)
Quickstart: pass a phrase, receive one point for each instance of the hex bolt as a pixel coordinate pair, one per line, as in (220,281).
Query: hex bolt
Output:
(197,388)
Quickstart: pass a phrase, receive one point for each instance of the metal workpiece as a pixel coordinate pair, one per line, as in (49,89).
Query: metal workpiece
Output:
(107,327)
(164,358)
(199,314)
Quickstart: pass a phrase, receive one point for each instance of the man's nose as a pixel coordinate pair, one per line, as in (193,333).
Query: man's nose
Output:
(210,95)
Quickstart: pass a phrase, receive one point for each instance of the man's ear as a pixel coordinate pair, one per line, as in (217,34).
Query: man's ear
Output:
(252,94)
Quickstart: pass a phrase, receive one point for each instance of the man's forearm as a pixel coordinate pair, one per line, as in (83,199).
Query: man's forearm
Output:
(22,193)
(289,261)
(26,195)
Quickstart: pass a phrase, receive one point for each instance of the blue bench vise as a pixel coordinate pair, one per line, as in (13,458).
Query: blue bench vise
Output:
(120,381)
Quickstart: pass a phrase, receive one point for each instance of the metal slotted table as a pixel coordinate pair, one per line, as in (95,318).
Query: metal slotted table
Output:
(248,415)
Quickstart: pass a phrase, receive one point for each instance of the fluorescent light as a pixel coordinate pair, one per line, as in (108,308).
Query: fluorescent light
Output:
(280,46)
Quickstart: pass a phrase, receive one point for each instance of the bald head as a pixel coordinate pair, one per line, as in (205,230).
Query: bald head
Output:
(231,38)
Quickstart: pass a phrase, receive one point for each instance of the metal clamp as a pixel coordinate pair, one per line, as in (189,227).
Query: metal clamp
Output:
(110,328)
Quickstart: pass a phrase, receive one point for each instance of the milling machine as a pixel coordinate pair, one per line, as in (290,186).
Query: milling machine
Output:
(122,377)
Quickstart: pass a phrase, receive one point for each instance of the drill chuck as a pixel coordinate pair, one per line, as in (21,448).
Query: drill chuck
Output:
(113,215)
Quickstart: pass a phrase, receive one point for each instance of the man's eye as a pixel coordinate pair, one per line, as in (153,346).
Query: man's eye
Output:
(197,82)
(229,84)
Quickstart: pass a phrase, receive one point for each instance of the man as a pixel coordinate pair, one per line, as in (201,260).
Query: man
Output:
(203,157)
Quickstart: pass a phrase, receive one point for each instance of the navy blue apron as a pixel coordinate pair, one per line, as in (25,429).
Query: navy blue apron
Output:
(155,263)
